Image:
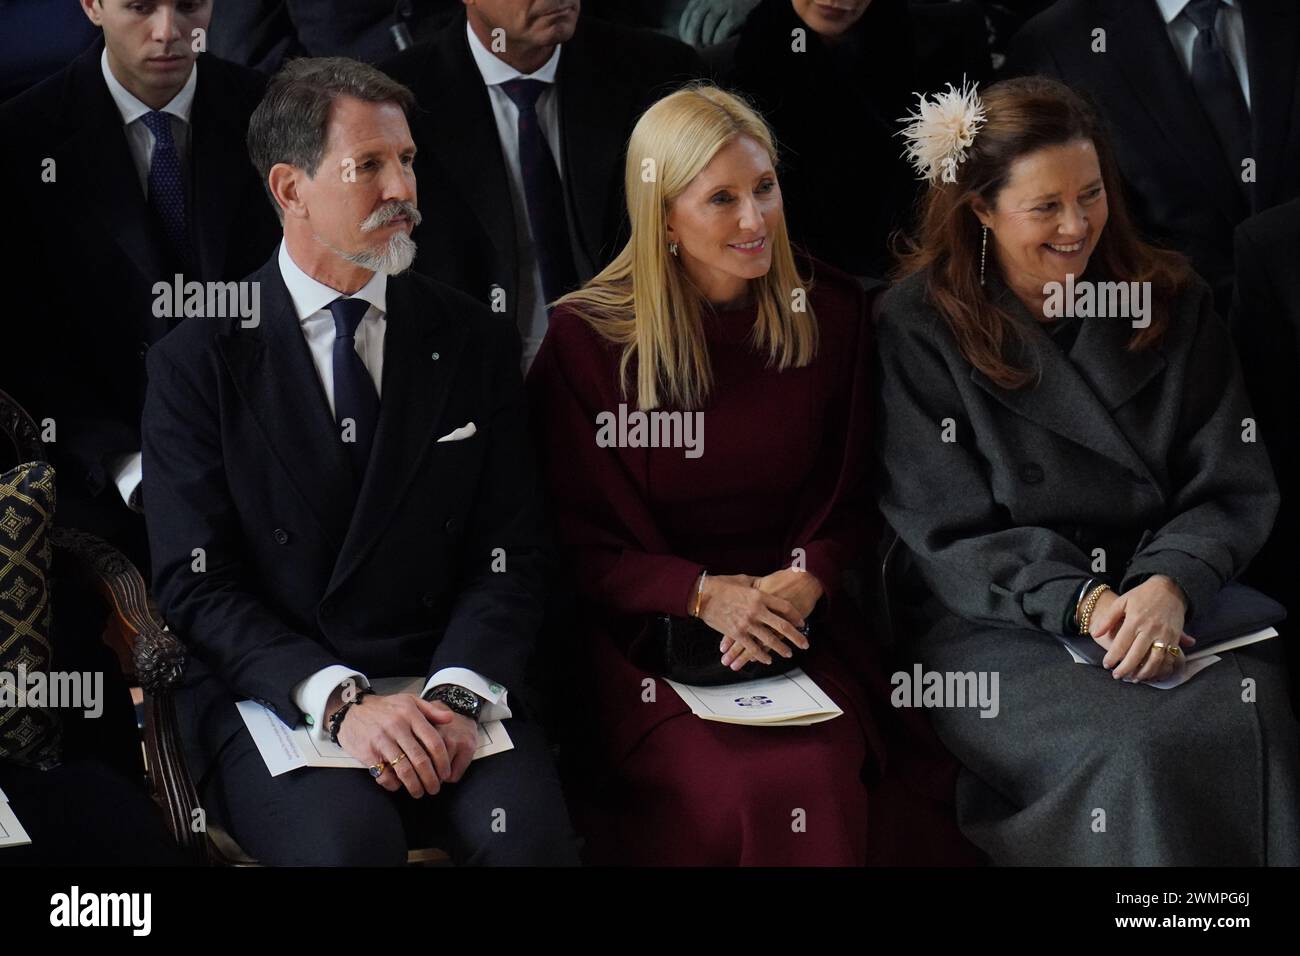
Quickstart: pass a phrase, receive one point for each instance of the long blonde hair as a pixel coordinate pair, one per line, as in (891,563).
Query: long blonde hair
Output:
(644,300)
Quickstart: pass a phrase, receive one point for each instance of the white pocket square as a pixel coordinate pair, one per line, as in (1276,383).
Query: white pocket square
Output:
(460,434)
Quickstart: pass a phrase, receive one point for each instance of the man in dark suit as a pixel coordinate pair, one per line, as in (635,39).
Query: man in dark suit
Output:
(264,33)
(1193,89)
(343,491)
(1266,326)
(126,168)
(525,111)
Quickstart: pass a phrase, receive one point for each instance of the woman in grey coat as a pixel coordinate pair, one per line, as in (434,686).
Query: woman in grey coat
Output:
(1065,454)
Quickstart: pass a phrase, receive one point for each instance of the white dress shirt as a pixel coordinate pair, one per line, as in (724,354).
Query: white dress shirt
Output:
(311,301)
(1229,28)
(532,299)
(125,469)
(139,138)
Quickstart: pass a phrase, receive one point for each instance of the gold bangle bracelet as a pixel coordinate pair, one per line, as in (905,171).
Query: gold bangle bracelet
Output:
(699,594)
(1089,605)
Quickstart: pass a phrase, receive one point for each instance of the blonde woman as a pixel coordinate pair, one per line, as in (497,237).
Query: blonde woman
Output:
(742,518)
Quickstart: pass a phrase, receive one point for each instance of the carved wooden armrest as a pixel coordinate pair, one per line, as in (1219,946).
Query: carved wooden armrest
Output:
(153,655)
(157,659)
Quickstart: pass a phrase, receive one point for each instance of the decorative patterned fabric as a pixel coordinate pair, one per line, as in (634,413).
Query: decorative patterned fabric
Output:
(28,735)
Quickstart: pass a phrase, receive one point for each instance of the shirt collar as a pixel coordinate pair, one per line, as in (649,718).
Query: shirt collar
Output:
(132,109)
(310,296)
(496,71)
(1170,9)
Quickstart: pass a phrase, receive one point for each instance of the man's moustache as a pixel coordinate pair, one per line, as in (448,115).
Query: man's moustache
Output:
(377,220)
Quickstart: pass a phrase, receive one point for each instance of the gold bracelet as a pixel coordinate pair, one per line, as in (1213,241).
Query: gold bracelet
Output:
(1085,619)
(699,593)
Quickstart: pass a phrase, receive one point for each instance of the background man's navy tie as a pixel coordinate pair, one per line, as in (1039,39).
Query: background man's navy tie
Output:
(354,390)
(167,189)
(543,192)
(1217,87)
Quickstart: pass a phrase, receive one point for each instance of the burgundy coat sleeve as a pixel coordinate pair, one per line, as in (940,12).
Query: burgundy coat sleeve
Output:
(835,517)
(624,562)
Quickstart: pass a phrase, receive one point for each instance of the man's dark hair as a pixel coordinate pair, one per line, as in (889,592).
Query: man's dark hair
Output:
(291,124)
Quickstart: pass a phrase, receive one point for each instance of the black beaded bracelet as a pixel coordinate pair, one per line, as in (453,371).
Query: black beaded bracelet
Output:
(1072,612)
(336,718)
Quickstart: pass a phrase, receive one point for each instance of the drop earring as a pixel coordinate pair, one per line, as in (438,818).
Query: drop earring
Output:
(984,251)
(672,247)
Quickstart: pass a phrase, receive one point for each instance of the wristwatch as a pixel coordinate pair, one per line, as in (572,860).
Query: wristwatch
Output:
(462,701)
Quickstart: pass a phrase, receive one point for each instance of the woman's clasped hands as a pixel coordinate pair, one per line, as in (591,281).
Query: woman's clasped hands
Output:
(1141,629)
(758,616)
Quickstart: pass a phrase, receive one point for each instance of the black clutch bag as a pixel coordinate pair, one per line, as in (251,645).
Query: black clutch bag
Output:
(685,649)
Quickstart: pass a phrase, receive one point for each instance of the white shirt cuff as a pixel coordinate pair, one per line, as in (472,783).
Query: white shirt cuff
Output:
(126,470)
(312,696)
(494,695)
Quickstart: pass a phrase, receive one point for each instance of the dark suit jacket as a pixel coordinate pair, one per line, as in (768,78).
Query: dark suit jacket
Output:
(264,33)
(1266,326)
(243,460)
(1137,453)
(84,265)
(608,76)
(1183,189)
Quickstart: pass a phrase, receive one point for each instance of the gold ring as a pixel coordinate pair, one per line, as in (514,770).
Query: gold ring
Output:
(377,770)
(1160,644)
(1174,651)
(396,760)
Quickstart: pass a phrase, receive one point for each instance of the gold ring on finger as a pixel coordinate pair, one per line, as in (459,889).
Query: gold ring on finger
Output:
(1174,651)
(396,760)
(377,770)
(1160,644)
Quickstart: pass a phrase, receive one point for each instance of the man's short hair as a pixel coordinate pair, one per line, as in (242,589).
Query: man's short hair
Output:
(291,124)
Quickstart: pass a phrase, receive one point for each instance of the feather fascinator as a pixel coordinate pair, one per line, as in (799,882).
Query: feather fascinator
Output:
(940,130)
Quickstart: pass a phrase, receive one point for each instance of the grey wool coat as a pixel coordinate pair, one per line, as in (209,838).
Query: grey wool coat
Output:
(1114,464)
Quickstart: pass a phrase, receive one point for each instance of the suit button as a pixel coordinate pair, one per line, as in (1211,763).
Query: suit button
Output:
(142,349)
(450,526)
(1031,473)
(281,536)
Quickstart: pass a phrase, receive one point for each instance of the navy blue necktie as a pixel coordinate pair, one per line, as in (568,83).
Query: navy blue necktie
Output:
(543,192)
(354,390)
(167,188)
(1217,86)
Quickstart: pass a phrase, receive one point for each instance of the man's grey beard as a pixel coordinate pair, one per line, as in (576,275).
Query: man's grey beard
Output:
(396,257)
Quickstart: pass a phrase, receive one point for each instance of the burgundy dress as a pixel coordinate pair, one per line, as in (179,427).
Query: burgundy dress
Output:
(784,466)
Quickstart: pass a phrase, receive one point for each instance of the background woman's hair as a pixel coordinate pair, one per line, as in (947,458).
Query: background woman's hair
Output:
(643,300)
(1023,115)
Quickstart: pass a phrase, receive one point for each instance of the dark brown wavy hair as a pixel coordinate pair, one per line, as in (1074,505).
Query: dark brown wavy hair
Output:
(1023,115)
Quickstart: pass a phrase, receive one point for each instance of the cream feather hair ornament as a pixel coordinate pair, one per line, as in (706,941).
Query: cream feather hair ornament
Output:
(941,129)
